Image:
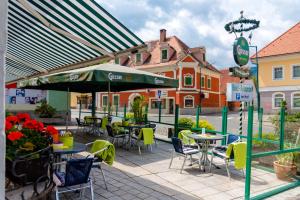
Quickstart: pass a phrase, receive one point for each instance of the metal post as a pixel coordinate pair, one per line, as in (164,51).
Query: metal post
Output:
(257,83)
(3,43)
(176,120)
(224,123)
(93,104)
(197,116)
(260,118)
(241,114)
(159,112)
(146,113)
(249,153)
(282,116)
(125,111)
(117,107)
(80,107)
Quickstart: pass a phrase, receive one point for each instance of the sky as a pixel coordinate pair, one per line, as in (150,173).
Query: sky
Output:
(201,22)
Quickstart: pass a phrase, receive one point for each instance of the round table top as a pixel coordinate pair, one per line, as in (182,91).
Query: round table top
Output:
(76,148)
(205,137)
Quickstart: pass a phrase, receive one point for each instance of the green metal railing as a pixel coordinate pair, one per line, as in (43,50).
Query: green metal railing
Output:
(251,156)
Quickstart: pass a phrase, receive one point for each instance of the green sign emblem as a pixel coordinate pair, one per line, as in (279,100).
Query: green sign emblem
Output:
(241,51)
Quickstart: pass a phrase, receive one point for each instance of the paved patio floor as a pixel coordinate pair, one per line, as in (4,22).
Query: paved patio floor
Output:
(147,176)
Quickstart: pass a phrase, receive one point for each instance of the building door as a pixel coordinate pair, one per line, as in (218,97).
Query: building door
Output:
(171,106)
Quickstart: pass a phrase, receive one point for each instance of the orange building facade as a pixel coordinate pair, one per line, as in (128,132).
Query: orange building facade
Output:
(170,57)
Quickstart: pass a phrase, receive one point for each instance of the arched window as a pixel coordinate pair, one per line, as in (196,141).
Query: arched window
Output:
(296,100)
(277,98)
(188,80)
(189,101)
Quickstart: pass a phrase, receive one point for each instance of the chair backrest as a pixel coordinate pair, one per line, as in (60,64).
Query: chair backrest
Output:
(78,171)
(232,138)
(110,131)
(177,143)
(153,126)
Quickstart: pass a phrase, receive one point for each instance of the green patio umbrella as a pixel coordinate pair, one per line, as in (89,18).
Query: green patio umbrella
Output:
(99,78)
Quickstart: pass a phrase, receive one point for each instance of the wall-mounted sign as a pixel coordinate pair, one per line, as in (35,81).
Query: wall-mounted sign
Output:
(239,92)
(239,72)
(241,51)
(161,94)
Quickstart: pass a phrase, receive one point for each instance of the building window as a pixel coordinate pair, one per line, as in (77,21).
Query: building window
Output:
(296,71)
(117,61)
(209,83)
(164,54)
(138,57)
(104,101)
(277,99)
(202,81)
(296,100)
(189,101)
(188,80)
(116,100)
(203,57)
(277,73)
(155,103)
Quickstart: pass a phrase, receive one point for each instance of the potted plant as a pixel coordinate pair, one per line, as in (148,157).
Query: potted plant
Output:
(285,167)
(138,109)
(45,110)
(28,149)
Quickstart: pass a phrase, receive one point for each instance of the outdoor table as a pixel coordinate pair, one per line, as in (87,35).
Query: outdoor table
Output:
(130,129)
(203,141)
(94,126)
(76,148)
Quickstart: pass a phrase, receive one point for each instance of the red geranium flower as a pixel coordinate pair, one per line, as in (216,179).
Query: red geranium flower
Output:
(16,135)
(51,130)
(34,125)
(23,117)
(12,119)
(8,125)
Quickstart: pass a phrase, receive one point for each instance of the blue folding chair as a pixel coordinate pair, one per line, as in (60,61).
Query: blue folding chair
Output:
(180,150)
(75,177)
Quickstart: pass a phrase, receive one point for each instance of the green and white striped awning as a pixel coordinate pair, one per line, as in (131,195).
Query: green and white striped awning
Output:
(44,35)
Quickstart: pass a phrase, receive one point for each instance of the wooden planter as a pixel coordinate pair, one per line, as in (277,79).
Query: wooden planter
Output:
(285,172)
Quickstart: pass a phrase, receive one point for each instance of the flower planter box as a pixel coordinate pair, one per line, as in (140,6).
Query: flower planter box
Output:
(28,169)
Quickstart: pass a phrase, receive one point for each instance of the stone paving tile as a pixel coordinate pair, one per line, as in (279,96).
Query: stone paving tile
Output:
(148,177)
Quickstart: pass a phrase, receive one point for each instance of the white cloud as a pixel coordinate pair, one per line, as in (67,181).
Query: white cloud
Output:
(201,22)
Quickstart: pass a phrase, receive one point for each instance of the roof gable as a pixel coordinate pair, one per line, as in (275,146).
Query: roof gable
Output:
(287,43)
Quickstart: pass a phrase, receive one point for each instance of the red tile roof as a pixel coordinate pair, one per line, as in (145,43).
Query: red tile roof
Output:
(181,50)
(287,43)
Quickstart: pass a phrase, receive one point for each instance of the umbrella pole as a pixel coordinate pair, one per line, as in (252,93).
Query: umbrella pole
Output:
(80,106)
(93,104)
(67,122)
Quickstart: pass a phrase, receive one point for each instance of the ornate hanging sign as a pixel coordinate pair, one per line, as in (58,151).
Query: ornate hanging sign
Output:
(241,51)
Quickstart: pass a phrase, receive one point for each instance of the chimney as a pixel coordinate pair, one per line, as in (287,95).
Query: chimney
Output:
(163,35)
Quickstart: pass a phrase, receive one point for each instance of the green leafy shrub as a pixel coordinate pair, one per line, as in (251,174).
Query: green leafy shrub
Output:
(45,110)
(204,124)
(267,136)
(138,107)
(185,123)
